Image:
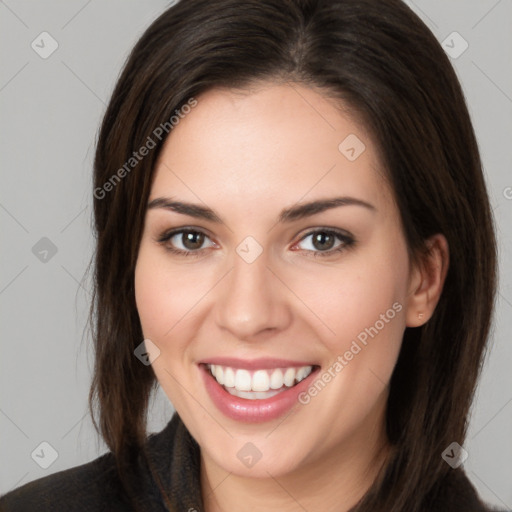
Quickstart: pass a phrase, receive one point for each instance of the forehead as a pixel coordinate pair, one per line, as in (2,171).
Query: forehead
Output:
(274,145)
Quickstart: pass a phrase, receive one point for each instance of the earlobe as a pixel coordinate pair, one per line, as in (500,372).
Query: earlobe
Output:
(427,281)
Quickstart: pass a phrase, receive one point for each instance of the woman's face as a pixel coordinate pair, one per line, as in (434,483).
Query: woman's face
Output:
(269,291)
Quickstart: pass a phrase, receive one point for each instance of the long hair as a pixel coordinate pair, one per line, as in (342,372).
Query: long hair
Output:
(379,59)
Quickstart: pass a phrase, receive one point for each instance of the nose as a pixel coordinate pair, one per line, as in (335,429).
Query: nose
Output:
(252,300)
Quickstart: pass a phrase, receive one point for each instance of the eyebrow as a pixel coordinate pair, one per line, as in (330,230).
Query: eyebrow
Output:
(290,214)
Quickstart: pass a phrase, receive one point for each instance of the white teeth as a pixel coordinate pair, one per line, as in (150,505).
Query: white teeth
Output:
(229,378)
(276,379)
(307,371)
(260,383)
(243,380)
(219,374)
(289,377)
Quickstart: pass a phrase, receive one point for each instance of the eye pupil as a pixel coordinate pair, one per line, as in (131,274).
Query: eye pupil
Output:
(193,240)
(323,238)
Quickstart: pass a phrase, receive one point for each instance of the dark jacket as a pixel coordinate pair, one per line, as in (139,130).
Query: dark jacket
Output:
(175,455)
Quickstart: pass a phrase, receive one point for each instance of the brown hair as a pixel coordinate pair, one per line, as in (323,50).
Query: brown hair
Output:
(381,61)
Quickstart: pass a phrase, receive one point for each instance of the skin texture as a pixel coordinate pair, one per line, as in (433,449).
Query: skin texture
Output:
(247,155)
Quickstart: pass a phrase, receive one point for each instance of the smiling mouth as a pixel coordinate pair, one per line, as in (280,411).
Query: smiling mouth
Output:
(258,384)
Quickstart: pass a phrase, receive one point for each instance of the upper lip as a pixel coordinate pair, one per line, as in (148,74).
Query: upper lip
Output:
(264,363)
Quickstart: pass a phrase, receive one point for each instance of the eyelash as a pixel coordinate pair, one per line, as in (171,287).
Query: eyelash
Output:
(348,242)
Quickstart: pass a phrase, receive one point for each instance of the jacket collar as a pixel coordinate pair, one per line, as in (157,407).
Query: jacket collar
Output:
(175,458)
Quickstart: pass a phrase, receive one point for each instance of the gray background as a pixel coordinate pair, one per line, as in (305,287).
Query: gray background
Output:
(50,112)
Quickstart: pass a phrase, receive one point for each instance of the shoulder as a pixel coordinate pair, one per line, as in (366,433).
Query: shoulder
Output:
(96,486)
(93,486)
(457,493)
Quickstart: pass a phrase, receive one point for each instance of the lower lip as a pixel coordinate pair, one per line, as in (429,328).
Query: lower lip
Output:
(253,411)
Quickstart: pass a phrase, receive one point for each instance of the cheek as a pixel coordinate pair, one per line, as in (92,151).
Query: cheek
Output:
(355,299)
(151,299)
(161,308)
(162,296)
(361,305)
(374,321)
(168,300)
(363,308)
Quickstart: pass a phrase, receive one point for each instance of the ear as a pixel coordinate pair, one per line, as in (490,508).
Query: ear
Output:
(426,281)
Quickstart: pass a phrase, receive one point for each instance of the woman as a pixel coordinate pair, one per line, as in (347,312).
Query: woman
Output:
(294,241)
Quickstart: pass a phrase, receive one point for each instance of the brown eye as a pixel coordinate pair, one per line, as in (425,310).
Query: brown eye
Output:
(323,241)
(326,242)
(184,242)
(192,240)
